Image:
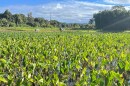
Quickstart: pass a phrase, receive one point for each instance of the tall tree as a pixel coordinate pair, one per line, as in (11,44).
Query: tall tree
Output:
(118,7)
(8,15)
(30,19)
(115,19)
(4,22)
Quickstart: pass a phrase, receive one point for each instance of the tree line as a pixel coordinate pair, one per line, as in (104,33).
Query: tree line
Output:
(115,19)
(7,19)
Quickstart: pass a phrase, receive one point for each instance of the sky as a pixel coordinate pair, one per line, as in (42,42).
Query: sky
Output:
(69,11)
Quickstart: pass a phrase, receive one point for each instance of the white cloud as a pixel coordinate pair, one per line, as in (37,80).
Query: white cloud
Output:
(118,1)
(58,6)
(70,11)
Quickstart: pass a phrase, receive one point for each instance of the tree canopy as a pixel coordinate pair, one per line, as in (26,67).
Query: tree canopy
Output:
(7,19)
(116,19)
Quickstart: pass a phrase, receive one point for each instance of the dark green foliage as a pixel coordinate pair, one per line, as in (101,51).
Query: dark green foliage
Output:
(7,15)
(117,19)
(4,22)
(40,22)
(19,19)
(12,24)
(54,23)
(90,26)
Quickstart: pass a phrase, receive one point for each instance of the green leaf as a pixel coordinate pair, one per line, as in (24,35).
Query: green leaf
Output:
(121,64)
(55,58)
(78,66)
(41,81)
(3,61)
(3,79)
(127,66)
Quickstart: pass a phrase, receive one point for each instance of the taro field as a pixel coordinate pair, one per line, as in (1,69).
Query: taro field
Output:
(64,59)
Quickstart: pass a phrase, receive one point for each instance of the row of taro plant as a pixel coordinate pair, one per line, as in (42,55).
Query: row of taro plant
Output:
(64,59)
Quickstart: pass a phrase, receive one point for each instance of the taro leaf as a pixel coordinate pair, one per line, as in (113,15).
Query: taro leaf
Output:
(55,58)
(3,61)
(3,80)
(127,66)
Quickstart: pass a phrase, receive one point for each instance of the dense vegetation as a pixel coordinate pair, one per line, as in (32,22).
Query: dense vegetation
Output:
(117,18)
(57,59)
(67,58)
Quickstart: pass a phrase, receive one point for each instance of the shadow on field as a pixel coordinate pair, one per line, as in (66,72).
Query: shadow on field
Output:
(111,31)
(78,29)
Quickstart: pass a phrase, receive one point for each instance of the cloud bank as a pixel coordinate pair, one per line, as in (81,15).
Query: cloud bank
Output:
(70,11)
(118,1)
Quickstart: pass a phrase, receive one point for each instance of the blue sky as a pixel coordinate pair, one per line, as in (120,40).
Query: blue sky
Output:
(71,11)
